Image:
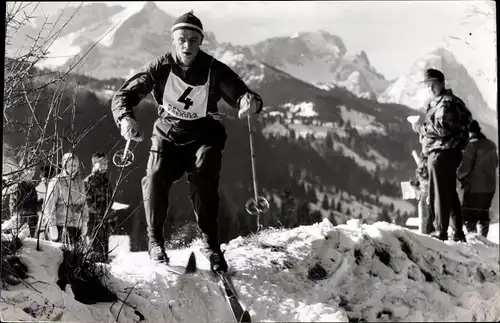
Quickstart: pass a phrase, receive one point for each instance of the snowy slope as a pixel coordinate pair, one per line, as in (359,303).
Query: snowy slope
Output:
(377,272)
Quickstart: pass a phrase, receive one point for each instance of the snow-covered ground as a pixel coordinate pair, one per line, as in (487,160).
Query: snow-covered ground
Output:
(378,272)
(493,233)
(363,122)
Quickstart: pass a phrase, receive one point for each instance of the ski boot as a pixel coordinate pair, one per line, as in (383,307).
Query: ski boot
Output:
(157,253)
(440,236)
(459,237)
(218,263)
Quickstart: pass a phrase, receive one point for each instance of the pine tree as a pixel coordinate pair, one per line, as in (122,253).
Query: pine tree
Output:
(303,214)
(328,141)
(332,204)
(338,208)
(325,205)
(331,218)
(313,198)
(316,216)
(383,216)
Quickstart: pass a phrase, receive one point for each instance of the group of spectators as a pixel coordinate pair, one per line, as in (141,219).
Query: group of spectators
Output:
(63,206)
(458,166)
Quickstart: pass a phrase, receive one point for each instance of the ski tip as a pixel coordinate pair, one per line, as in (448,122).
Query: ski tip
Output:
(191,265)
(245,317)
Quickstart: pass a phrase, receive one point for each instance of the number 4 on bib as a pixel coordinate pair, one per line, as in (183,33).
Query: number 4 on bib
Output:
(184,98)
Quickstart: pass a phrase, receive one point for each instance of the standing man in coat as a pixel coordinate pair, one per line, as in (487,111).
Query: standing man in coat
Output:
(444,132)
(98,196)
(477,174)
(187,136)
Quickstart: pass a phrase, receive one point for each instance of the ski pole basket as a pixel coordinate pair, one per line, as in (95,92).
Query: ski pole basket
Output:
(123,157)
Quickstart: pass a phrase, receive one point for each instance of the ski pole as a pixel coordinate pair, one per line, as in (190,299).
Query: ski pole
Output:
(252,158)
(125,157)
(125,151)
(258,204)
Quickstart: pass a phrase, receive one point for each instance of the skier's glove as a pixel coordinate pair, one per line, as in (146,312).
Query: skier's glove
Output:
(249,103)
(130,130)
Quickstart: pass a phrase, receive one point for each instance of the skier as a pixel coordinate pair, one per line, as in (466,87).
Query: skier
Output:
(188,136)
(445,133)
(477,175)
(98,195)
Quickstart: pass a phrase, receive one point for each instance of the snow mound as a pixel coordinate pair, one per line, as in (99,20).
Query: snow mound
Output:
(302,109)
(378,272)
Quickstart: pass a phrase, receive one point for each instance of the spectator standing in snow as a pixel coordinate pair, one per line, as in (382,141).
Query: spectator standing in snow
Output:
(23,201)
(444,132)
(477,175)
(188,136)
(98,196)
(65,212)
(422,184)
(47,172)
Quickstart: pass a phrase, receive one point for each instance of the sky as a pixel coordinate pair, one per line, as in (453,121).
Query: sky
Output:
(393,33)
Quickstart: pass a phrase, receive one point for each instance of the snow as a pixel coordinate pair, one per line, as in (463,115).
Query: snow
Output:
(325,86)
(412,222)
(493,233)
(230,58)
(378,272)
(363,123)
(302,109)
(9,165)
(275,129)
(302,130)
(369,165)
(311,69)
(118,19)
(401,205)
(380,160)
(119,244)
(61,45)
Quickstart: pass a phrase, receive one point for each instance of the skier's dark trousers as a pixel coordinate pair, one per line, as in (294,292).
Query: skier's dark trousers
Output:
(187,136)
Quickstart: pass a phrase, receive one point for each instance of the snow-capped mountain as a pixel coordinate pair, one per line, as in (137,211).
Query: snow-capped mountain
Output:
(128,37)
(322,58)
(141,34)
(408,89)
(68,30)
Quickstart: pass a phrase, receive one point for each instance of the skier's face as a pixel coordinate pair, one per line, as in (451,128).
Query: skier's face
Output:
(435,87)
(28,173)
(72,167)
(101,165)
(186,43)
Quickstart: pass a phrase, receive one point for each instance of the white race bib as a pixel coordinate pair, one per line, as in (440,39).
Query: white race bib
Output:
(185,101)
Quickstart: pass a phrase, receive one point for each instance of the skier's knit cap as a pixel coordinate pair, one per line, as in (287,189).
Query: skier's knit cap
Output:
(188,21)
(433,74)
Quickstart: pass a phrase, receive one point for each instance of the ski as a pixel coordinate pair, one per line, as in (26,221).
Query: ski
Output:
(239,313)
(190,268)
